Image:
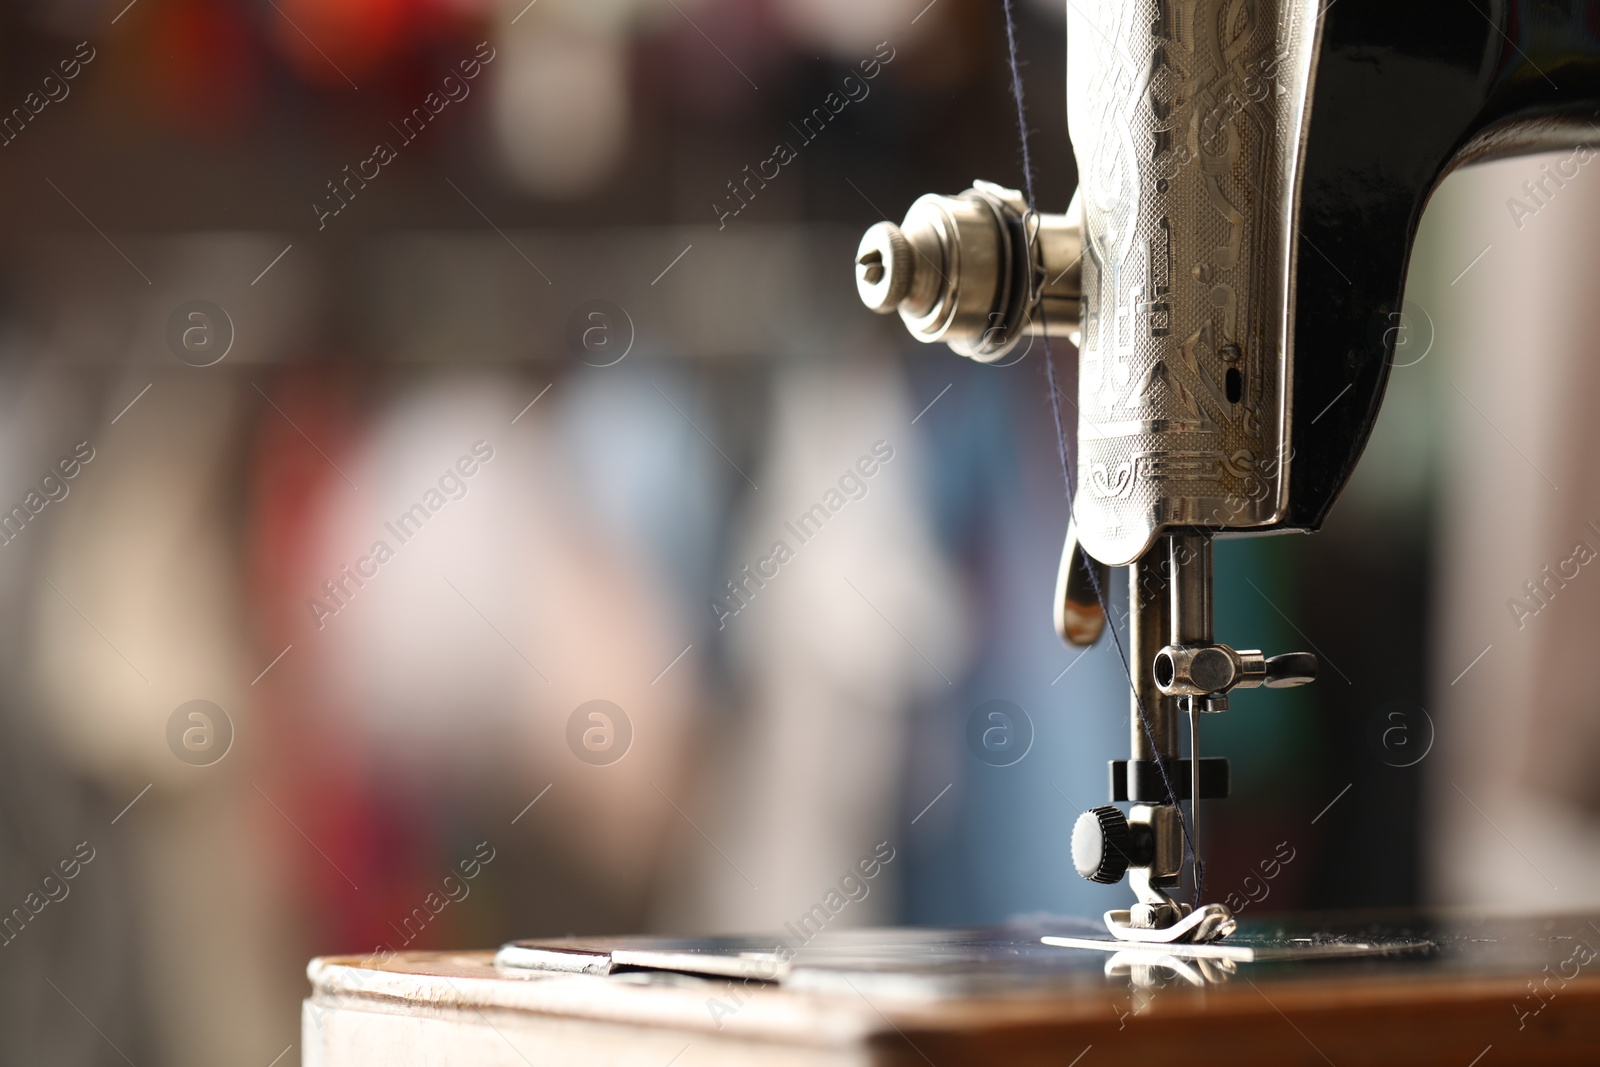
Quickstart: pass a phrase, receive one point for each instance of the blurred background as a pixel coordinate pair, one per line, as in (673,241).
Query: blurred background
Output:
(512,291)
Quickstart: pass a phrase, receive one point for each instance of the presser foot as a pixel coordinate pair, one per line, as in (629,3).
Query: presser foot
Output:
(1107,846)
(1210,922)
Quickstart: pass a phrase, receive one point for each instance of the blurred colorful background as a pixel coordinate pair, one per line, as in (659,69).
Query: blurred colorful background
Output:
(544,241)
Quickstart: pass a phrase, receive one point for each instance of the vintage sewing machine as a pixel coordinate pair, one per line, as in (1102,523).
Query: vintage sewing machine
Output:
(1251,178)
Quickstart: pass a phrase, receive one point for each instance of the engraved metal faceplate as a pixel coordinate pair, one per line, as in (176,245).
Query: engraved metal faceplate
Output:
(1186,116)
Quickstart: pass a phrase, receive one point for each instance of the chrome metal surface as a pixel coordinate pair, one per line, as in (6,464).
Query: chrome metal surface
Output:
(1149,611)
(1081,583)
(1187,123)
(1190,564)
(885,268)
(1166,850)
(1149,968)
(1208,670)
(1290,669)
(1194,788)
(1153,732)
(1058,262)
(1154,909)
(1024,954)
(1127,952)
(1210,922)
(1197,670)
(978,271)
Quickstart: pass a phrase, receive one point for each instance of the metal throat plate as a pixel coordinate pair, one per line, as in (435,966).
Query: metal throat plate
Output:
(1044,954)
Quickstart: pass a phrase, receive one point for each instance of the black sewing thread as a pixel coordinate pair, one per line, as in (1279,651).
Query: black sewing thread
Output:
(1061,446)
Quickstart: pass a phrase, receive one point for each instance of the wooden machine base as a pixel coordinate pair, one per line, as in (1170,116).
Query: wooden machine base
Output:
(1408,989)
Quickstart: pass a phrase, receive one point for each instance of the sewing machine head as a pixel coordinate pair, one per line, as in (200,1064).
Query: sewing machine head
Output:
(1251,176)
